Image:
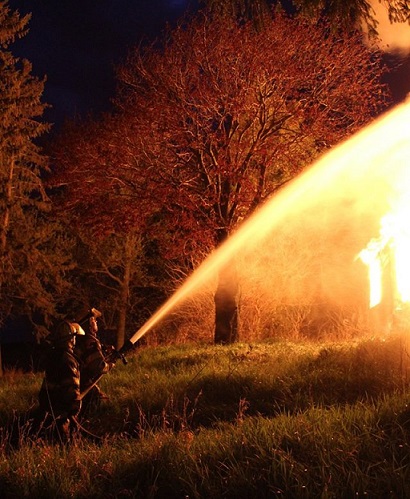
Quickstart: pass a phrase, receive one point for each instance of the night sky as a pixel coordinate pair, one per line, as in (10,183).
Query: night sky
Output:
(77,44)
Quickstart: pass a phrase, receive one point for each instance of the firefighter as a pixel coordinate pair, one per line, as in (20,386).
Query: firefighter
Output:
(93,364)
(59,396)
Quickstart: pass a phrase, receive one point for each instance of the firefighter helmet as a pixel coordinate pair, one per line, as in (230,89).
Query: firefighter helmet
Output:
(76,328)
(66,330)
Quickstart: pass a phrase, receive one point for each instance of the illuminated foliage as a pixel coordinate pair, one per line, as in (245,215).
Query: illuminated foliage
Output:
(227,115)
(20,104)
(211,123)
(100,191)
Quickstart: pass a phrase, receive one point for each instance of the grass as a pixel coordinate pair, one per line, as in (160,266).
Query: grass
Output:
(266,420)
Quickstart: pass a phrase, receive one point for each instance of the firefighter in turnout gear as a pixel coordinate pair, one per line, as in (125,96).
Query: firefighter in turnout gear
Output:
(92,358)
(59,396)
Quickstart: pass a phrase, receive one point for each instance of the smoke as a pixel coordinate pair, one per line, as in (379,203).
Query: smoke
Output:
(393,37)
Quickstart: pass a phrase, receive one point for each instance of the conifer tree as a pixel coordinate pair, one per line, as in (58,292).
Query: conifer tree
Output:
(20,99)
(30,255)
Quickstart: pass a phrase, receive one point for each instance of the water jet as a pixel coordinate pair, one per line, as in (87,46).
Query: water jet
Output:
(302,245)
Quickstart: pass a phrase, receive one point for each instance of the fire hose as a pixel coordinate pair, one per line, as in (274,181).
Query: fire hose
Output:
(112,357)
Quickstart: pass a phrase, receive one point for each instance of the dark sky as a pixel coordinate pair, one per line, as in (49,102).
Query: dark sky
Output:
(77,43)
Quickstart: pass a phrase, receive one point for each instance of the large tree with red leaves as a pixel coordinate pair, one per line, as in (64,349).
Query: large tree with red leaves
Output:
(228,114)
(217,118)
(99,190)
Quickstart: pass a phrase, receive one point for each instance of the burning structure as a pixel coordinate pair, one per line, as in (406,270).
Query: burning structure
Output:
(387,258)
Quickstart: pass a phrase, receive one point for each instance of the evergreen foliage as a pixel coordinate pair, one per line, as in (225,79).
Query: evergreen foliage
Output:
(32,246)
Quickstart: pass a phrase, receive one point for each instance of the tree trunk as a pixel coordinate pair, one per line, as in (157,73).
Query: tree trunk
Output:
(122,315)
(4,227)
(6,215)
(226,307)
(130,245)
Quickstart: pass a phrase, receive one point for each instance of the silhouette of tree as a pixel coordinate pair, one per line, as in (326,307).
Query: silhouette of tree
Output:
(352,14)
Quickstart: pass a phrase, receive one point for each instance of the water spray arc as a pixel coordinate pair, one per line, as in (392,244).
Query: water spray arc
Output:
(348,190)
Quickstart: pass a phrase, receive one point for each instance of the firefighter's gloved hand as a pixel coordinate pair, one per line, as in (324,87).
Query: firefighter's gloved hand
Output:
(109,350)
(110,354)
(107,367)
(93,325)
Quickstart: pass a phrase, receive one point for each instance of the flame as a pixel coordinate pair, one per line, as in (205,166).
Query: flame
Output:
(390,252)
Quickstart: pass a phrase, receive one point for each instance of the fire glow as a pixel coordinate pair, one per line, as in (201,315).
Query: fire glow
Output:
(311,242)
(390,253)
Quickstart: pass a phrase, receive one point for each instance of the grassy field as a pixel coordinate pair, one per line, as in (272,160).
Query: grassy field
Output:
(266,420)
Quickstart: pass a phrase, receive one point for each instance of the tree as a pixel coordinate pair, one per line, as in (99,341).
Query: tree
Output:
(20,103)
(31,259)
(354,11)
(227,115)
(99,188)
(108,273)
(342,13)
(239,9)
